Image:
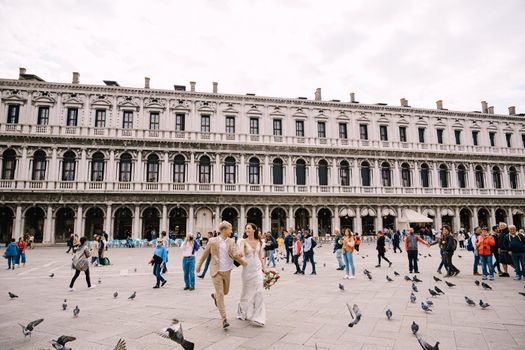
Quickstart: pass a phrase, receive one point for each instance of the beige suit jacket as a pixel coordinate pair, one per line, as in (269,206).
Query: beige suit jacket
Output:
(213,248)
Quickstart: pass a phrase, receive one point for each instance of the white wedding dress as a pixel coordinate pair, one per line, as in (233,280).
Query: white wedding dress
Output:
(251,306)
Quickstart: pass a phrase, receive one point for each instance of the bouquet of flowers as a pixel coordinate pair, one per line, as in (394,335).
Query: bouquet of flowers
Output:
(270,278)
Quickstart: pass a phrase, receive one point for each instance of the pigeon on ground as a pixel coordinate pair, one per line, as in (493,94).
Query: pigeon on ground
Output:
(26,330)
(135,269)
(429,302)
(12,296)
(415,279)
(477,283)
(486,286)
(356,315)
(175,333)
(366,272)
(412,298)
(324,264)
(429,255)
(52,275)
(414,287)
(389,314)
(76,311)
(436,288)
(522,293)
(469,301)
(282,268)
(407,278)
(60,343)
(369,275)
(396,273)
(436,279)
(64,305)
(415,327)
(341,287)
(425,345)
(362,257)
(388,279)
(121,345)
(483,305)
(99,280)
(432,292)
(450,284)
(132,296)
(115,295)
(425,307)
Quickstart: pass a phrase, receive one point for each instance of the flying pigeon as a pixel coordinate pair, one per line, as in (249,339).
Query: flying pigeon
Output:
(485,286)
(483,305)
(414,288)
(389,314)
(115,294)
(60,343)
(388,279)
(477,283)
(341,287)
(415,327)
(26,330)
(12,296)
(432,292)
(436,279)
(396,273)
(412,298)
(407,278)
(469,301)
(356,315)
(132,296)
(52,275)
(436,288)
(425,345)
(121,345)
(175,333)
(450,284)
(425,307)
(522,293)
(76,311)
(64,305)
(415,279)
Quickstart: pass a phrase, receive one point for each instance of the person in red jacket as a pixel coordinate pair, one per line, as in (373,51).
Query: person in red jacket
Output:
(297,250)
(484,244)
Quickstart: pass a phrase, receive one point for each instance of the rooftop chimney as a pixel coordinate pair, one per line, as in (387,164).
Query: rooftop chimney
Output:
(22,71)
(352,97)
(439,104)
(484,108)
(76,77)
(146,82)
(318,94)
(404,102)
(512,110)
(192,86)
(491,110)
(215,84)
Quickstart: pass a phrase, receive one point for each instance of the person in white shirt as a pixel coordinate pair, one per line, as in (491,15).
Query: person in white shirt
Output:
(189,248)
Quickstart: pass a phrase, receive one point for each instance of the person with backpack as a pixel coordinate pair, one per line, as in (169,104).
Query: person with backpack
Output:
(411,245)
(449,247)
(288,244)
(472,245)
(11,254)
(338,249)
(270,246)
(495,248)
(505,258)
(381,250)
(80,263)
(189,248)
(517,252)
(308,252)
(484,243)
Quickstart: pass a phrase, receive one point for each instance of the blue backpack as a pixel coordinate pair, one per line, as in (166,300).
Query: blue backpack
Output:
(470,245)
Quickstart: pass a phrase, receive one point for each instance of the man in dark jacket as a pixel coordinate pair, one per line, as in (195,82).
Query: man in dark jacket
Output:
(517,251)
(338,247)
(495,247)
(504,257)
(396,241)
(380,247)
(449,247)
(288,244)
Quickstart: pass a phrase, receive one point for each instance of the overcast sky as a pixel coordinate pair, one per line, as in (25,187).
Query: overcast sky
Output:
(462,52)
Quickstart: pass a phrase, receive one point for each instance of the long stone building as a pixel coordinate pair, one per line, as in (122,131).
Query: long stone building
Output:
(92,158)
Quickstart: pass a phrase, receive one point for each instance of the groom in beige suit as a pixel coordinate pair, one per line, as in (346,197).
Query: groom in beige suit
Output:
(223,252)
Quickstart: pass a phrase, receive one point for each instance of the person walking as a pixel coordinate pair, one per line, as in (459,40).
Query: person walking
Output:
(296,253)
(348,247)
(80,263)
(517,252)
(11,252)
(338,249)
(449,247)
(76,242)
(461,239)
(94,251)
(411,247)
(269,246)
(495,248)
(473,247)
(189,248)
(288,243)
(396,241)
(505,257)
(357,239)
(381,250)
(159,258)
(484,243)
(166,244)
(208,259)
(308,252)
(441,244)
(69,243)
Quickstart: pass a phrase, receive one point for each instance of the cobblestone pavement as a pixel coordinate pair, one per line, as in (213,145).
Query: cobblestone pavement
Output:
(302,311)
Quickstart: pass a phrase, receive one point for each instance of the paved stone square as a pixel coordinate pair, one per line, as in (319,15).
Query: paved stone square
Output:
(302,311)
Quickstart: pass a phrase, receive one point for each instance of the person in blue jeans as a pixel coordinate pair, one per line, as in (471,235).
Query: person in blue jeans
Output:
(189,248)
(208,259)
(517,251)
(270,246)
(11,253)
(308,253)
(160,257)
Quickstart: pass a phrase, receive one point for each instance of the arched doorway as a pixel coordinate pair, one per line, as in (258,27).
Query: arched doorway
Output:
(278,224)
(501,216)
(346,219)
(204,220)
(6,224)
(483,217)
(123,223)
(64,224)
(177,224)
(150,223)
(94,222)
(230,214)
(368,216)
(324,221)
(517,218)
(465,217)
(34,223)
(254,216)
(389,218)
(302,219)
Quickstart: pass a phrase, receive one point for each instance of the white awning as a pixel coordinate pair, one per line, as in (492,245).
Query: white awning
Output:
(368,212)
(447,212)
(517,211)
(429,212)
(410,215)
(347,212)
(389,211)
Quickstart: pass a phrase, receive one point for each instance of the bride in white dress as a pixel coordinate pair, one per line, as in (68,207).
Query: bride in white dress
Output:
(251,306)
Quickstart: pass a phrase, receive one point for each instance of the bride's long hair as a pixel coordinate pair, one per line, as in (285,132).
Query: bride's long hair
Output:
(256,232)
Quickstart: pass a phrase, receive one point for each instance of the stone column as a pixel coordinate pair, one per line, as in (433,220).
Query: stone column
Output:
(217,170)
(396,176)
(334,177)
(314,222)
(82,167)
(139,169)
(191,220)
(17,232)
(165,168)
(311,173)
(242,171)
(164,222)
(112,170)
(335,220)
(192,170)
(78,220)
(290,219)
(475,219)
(53,173)
(267,220)
(492,217)
(242,220)
(379,219)
(48,225)
(358,222)
(136,223)
(437,219)
(108,223)
(217,218)
(376,174)
(288,175)
(24,172)
(457,220)
(266,172)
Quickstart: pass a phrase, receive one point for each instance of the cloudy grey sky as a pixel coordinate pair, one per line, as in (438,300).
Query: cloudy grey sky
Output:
(459,51)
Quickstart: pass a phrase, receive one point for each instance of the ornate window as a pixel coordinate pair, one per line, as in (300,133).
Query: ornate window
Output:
(443,176)
(39,166)
(424,172)
(405,175)
(386,174)
(277,170)
(462,176)
(480,177)
(97,167)
(300,172)
(229,170)
(125,166)
(8,164)
(179,169)
(365,174)
(344,173)
(204,170)
(68,166)
(254,169)
(152,168)
(323,173)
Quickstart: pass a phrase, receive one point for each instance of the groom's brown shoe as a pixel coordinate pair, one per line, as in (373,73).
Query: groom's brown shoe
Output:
(214,300)
(225,323)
